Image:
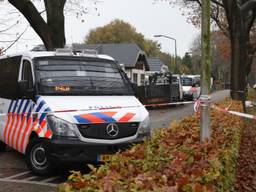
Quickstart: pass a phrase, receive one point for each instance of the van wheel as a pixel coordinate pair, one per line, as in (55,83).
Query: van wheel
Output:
(37,159)
(2,146)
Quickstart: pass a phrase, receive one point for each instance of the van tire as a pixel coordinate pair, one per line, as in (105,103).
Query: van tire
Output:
(2,146)
(37,159)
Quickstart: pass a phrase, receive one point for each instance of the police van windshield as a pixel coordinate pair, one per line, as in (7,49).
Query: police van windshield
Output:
(80,76)
(187,81)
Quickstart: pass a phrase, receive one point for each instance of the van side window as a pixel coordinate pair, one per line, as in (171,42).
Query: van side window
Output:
(9,73)
(27,73)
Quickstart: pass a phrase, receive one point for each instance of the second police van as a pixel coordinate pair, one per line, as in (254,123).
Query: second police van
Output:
(63,107)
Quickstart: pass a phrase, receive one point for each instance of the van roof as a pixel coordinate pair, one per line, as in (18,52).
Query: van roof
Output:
(34,54)
(192,76)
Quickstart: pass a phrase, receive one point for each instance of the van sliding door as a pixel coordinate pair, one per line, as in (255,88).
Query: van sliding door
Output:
(23,120)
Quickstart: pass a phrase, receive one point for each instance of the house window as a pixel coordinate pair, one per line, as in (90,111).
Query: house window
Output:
(135,78)
(139,65)
(142,79)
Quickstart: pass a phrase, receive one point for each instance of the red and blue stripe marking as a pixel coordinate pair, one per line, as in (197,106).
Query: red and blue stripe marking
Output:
(20,122)
(102,117)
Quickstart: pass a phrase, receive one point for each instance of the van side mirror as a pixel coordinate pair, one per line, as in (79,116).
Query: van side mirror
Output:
(24,90)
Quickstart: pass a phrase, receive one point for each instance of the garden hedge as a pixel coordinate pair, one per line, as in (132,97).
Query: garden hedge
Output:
(172,160)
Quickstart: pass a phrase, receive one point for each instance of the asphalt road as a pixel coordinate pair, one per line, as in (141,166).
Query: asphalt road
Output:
(15,177)
(162,117)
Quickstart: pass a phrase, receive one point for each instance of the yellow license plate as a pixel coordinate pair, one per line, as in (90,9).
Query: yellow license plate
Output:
(105,158)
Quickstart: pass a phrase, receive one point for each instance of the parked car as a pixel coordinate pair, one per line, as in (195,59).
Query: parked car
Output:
(191,87)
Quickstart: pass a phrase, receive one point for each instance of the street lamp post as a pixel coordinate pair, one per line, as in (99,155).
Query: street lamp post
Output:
(205,128)
(176,65)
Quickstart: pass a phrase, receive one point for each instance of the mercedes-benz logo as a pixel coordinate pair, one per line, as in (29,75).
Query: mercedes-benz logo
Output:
(112,129)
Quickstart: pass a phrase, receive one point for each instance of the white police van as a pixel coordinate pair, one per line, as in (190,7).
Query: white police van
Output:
(59,107)
(191,87)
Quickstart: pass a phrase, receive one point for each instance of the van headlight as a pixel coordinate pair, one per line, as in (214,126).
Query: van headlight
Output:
(61,127)
(144,128)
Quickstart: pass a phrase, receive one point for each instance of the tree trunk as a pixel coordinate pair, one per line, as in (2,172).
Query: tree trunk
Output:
(239,61)
(239,55)
(56,22)
(250,60)
(52,32)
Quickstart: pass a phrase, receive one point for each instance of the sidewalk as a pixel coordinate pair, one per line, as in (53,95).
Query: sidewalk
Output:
(16,187)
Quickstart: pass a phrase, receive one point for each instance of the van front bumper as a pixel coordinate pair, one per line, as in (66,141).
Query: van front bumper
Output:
(188,96)
(74,150)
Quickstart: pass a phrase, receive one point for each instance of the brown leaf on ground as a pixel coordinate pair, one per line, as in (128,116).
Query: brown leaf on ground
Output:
(246,165)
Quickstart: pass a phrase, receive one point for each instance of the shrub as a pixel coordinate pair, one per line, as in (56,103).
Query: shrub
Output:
(172,160)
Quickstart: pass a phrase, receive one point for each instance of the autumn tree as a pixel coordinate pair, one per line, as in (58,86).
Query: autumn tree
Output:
(187,61)
(222,43)
(220,56)
(183,68)
(236,19)
(119,31)
(169,60)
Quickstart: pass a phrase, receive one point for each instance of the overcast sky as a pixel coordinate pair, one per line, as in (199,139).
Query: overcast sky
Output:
(148,18)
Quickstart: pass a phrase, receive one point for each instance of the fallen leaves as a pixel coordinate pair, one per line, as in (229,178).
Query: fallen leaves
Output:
(246,165)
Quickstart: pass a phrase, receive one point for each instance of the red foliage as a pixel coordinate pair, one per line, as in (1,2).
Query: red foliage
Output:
(223,44)
(173,160)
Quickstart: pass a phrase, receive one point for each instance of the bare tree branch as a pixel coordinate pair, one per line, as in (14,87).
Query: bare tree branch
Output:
(15,40)
(221,26)
(217,3)
(8,41)
(7,29)
(213,1)
(28,9)
(249,5)
(196,1)
(250,21)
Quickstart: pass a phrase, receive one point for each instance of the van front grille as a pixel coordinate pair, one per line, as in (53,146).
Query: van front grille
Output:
(99,131)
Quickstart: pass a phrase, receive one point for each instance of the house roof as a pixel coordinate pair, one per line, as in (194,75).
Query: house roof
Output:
(123,53)
(155,64)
